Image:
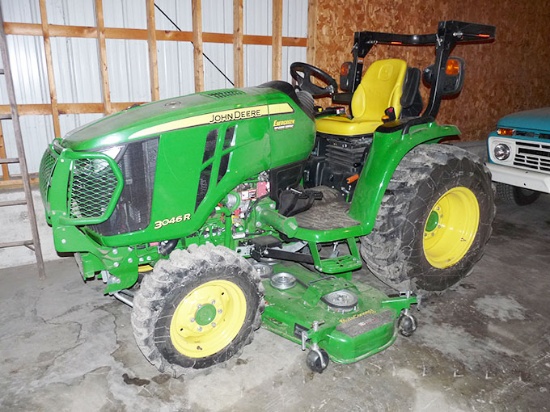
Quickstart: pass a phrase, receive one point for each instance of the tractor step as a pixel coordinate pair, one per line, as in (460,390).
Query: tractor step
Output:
(326,216)
(339,264)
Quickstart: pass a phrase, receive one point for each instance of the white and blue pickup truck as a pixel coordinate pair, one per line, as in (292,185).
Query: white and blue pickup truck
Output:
(519,156)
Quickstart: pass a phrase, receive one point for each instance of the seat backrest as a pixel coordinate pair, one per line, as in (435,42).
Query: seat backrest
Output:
(380,88)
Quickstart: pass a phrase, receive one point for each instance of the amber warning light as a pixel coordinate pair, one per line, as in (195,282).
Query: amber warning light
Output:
(453,67)
(344,69)
(502,131)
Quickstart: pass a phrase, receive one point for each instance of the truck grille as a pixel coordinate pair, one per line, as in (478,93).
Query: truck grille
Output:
(46,170)
(532,155)
(91,186)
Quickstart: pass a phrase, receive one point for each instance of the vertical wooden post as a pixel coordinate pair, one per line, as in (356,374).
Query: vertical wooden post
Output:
(277,39)
(49,68)
(152,43)
(105,89)
(238,51)
(311,31)
(196,6)
(5,169)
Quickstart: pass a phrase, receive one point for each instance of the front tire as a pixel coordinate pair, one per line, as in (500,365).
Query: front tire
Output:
(197,309)
(434,220)
(516,195)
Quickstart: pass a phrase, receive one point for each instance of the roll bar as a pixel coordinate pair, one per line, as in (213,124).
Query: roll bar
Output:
(449,33)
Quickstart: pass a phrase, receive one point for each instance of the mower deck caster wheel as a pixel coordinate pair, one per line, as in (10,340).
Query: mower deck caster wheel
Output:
(317,360)
(406,324)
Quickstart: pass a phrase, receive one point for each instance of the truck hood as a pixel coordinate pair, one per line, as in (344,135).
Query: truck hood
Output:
(531,120)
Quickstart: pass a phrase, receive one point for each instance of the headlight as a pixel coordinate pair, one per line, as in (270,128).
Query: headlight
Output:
(112,152)
(501,151)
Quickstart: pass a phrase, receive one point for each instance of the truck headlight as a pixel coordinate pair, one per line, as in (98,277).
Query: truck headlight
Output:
(502,151)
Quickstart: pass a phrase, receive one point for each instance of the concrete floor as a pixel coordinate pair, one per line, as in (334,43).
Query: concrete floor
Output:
(483,346)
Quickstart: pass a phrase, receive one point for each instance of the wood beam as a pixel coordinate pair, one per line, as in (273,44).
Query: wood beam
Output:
(152,44)
(103,69)
(49,68)
(196,6)
(238,50)
(311,31)
(277,40)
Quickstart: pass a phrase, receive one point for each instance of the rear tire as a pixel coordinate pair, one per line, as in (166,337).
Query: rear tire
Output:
(516,195)
(434,220)
(197,309)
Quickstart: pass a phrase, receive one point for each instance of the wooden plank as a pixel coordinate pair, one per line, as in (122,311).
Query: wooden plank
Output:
(217,38)
(238,50)
(103,68)
(196,6)
(27,29)
(167,35)
(67,108)
(23,29)
(121,34)
(49,68)
(17,183)
(277,40)
(152,45)
(3,155)
(311,31)
(295,41)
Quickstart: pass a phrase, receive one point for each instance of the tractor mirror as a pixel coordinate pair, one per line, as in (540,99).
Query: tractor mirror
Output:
(453,77)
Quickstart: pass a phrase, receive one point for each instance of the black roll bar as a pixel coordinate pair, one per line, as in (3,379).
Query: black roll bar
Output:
(449,33)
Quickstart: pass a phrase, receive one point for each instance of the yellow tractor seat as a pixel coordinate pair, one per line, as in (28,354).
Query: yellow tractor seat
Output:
(380,88)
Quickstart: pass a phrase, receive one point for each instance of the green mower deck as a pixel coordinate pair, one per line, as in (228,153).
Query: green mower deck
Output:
(358,322)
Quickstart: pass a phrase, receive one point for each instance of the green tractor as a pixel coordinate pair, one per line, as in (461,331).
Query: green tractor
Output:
(214,213)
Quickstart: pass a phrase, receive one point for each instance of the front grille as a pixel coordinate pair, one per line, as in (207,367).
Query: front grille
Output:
(532,155)
(133,209)
(91,188)
(47,165)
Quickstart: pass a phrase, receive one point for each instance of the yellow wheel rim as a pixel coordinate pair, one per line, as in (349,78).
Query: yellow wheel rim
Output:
(145,268)
(208,319)
(451,227)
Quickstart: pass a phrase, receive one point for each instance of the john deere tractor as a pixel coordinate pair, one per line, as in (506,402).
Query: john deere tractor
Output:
(214,213)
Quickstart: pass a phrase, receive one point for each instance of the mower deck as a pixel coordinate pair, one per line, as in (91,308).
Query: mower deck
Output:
(350,321)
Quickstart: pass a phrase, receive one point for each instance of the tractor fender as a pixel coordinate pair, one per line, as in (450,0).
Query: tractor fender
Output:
(389,147)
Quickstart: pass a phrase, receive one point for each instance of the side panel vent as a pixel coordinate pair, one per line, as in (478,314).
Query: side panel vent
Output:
(222,94)
(210,145)
(204,184)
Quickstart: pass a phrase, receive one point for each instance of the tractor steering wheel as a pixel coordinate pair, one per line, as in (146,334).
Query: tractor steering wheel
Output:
(302,73)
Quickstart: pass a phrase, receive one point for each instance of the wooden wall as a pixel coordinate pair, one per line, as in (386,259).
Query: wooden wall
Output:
(511,74)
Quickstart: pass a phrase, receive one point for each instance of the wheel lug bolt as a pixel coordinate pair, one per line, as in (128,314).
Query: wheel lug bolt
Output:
(220,311)
(213,302)
(192,320)
(213,324)
(199,329)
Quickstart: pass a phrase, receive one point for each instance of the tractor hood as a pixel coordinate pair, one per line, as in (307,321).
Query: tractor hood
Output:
(538,119)
(153,119)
